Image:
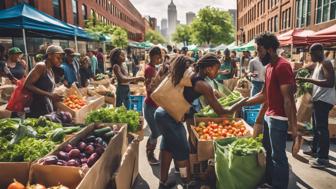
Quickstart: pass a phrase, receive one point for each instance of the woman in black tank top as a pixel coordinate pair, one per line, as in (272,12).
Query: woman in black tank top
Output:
(41,82)
(117,58)
(174,139)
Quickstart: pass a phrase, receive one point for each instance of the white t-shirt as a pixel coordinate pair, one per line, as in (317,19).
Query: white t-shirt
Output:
(256,67)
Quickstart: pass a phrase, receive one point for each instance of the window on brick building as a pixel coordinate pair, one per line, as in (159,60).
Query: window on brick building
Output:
(75,11)
(325,10)
(276,24)
(57,9)
(84,12)
(303,13)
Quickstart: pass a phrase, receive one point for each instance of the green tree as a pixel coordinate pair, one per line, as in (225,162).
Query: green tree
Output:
(182,35)
(154,37)
(119,37)
(97,28)
(212,26)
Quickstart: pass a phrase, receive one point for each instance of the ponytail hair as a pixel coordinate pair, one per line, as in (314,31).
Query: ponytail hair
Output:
(208,60)
(180,65)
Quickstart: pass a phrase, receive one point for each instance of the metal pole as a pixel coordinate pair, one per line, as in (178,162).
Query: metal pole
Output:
(25,45)
(76,45)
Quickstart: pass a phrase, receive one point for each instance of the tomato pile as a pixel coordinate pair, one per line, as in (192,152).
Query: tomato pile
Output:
(74,102)
(227,128)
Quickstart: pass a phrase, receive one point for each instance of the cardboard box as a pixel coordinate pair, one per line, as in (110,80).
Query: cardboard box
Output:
(79,116)
(110,100)
(13,170)
(98,175)
(128,171)
(205,149)
(4,113)
(332,127)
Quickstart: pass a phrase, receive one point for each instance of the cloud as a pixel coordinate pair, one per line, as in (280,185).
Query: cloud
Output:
(158,8)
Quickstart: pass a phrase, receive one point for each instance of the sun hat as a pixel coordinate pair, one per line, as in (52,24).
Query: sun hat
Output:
(54,49)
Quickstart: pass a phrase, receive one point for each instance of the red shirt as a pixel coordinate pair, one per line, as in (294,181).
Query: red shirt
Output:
(276,75)
(150,73)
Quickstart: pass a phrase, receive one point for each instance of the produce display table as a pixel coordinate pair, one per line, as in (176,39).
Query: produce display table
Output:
(79,116)
(205,149)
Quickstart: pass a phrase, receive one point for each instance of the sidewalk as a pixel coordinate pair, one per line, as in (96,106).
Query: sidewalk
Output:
(302,176)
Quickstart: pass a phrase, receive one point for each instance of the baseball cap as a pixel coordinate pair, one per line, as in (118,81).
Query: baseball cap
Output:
(14,50)
(54,49)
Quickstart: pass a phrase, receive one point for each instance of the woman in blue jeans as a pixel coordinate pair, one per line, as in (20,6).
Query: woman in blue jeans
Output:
(155,57)
(324,99)
(117,58)
(174,143)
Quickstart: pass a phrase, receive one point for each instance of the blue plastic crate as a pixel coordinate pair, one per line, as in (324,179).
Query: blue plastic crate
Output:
(250,115)
(136,103)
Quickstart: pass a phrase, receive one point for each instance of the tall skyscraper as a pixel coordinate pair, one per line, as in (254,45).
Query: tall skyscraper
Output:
(172,18)
(190,17)
(164,27)
(233,13)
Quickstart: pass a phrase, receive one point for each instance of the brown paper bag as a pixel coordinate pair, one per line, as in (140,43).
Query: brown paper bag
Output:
(176,106)
(231,83)
(304,108)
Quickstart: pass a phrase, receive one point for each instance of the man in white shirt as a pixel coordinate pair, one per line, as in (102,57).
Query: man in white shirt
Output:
(257,74)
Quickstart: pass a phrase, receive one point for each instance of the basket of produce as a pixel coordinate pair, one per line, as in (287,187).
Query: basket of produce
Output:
(95,147)
(116,115)
(23,142)
(101,79)
(226,101)
(17,185)
(207,130)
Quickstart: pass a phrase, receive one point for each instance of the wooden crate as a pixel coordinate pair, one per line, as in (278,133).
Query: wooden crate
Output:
(79,116)
(332,127)
(205,149)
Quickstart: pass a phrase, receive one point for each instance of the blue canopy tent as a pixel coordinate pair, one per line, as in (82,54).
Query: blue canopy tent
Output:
(24,20)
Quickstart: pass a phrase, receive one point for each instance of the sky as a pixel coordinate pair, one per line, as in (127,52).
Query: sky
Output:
(158,8)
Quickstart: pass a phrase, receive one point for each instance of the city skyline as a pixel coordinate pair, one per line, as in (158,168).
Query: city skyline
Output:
(159,8)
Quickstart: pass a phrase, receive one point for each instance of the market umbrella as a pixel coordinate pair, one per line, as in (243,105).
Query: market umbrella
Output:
(146,44)
(295,37)
(220,47)
(192,48)
(232,46)
(327,35)
(250,46)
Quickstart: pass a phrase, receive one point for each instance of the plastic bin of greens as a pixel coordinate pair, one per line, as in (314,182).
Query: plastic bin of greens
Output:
(136,103)
(250,114)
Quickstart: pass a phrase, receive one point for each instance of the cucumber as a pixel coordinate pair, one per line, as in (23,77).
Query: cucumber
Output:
(102,131)
(109,135)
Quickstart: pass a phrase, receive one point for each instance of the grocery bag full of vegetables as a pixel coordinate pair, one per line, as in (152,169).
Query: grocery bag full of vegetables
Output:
(236,163)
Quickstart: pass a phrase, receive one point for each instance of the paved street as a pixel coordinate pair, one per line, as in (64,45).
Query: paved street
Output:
(301,176)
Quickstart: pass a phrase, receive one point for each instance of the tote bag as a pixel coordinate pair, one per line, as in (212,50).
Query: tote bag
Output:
(20,98)
(171,98)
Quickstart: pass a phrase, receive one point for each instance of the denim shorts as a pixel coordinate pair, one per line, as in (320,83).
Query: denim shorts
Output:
(149,112)
(174,135)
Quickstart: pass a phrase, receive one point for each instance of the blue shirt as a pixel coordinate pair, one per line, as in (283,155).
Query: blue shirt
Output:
(94,65)
(69,73)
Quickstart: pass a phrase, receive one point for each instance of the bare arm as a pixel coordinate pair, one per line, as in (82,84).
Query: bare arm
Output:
(33,77)
(257,99)
(287,92)
(205,89)
(328,72)
(123,78)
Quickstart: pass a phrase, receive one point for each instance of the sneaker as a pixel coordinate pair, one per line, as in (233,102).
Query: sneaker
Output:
(151,158)
(319,163)
(167,185)
(310,153)
(189,185)
(265,186)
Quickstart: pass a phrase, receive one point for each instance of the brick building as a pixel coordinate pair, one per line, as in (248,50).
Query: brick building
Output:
(279,16)
(116,12)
